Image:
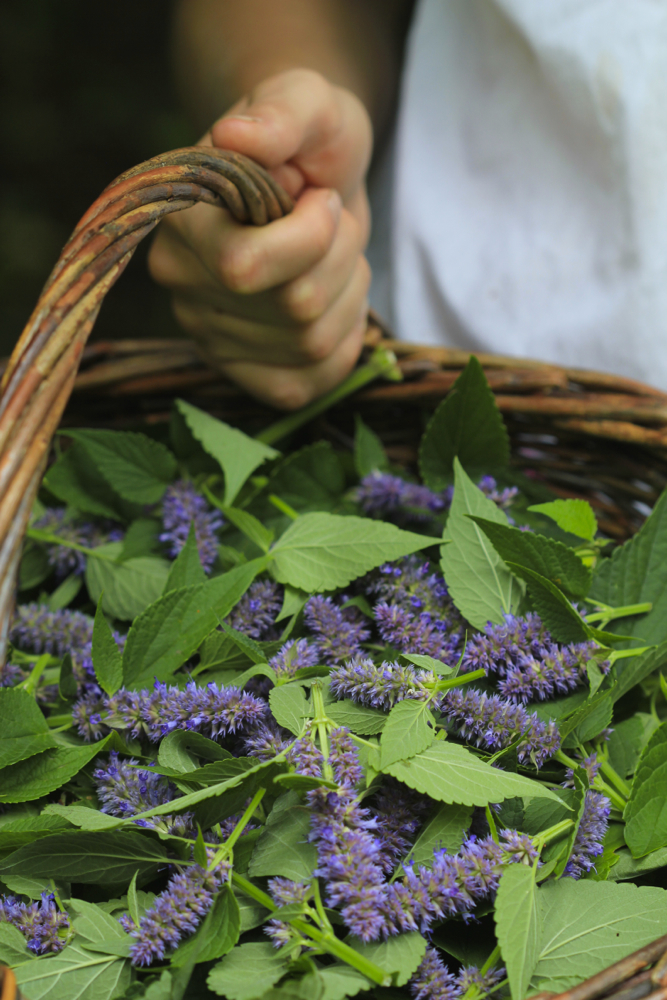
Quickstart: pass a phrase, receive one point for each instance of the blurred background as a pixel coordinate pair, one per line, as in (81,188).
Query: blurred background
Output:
(85,92)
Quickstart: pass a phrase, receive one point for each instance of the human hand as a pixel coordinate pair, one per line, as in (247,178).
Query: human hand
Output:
(280,309)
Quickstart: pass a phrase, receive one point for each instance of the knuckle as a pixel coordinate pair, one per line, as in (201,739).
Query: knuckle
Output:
(305,301)
(290,393)
(317,346)
(238,270)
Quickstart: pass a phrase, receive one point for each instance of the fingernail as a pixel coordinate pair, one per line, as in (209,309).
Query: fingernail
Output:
(242,118)
(335,203)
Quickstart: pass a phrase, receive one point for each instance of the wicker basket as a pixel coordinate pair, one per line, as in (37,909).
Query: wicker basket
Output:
(582,433)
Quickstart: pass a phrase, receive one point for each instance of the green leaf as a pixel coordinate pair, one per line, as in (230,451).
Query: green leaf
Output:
(467,424)
(74,972)
(342,981)
(399,956)
(65,593)
(68,689)
(549,558)
(252,649)
(357,718)
(24,732)
(518,921)
(186,570)
(13,947)
(82,816)
(580,780)
(631,868)
(637,572)
(293,601)
(589,925)
(103,857)
(74,479)
(322,551)
(627,740)
(589,720)
(39,775)
(14,833)
(93,923)
(289,707)
(107,657)
(408,730)
(429,663)
(126,588)
(444,830)
(237,454)
(217,935)
(178,749)
(283,848)
(449,773)
(250,526)
(137,467)
(369,453)
(635,669)
(247,971)
(141,538)
(574,516)
(34,566)
(646,812)
(562,620)
(481,585)
(309,479)
(168,632)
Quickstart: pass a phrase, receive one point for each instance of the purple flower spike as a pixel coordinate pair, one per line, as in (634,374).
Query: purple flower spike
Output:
(124,790)
(417,633)
(400,812)
(182,506)
(42,924)
(433,980)
(379,686)
(411,583)
(295,655)
(177,912)
(338,634)
(588,843)
(256,612)
(380,493)
(61,522)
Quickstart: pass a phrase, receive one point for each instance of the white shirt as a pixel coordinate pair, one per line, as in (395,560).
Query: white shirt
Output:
(529,206)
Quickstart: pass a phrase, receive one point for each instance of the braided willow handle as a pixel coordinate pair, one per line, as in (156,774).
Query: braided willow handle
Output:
(41,371)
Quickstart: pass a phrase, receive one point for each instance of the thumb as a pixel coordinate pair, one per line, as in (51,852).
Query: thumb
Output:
(303,129)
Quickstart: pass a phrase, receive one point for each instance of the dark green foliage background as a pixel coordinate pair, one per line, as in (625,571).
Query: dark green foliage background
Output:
(85,92)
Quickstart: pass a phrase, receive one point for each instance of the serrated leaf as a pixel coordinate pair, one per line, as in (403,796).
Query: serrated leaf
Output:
(480,584)
(283,848)
(14,833)
(562,620)
(39,775)
(589,925)
(103,857)
(250,526)
(627,740)
(443,831)
(186,570)
(449,773)
(248,646)
(637,572)
(74,972)
(141,538)
(574,516)
(289,707)
(589,720)
(13,947)
(342,981)
(237,454)
(93,923)
(247,971)
(549,558)
(357,718)
(309,479)
(429,663)
(518,921)
(126,588)
(68,689)
(293,600)
(399,956)
(646,812)
(74,479)
(24,732)
(217,935)
(107,657)
(631,868)
(168,632)
(408,731)
(321,551)
(466,425)
(178,749)
(369,453)
(137,467)
(634,670)
(82,816)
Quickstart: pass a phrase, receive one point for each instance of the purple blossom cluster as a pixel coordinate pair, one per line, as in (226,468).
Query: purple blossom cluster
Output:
(417,633)
(399,812)
(380,494)
(183,506)
(307,758)
(44,926)
(64,523)
(296,654)
(338,633)
(503,498)
(257,610)
(434,981)
(215,712)
(284,892)
(489,721)
(530,664)
(412,583)
(124,789)
(589,841)
(177,912)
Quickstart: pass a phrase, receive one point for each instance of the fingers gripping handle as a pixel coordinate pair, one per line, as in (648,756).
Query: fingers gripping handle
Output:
(41,371)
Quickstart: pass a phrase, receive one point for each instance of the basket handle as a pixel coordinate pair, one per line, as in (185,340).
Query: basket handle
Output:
(41,371)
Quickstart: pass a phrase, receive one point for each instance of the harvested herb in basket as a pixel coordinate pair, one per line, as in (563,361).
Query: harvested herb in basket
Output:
(299,726)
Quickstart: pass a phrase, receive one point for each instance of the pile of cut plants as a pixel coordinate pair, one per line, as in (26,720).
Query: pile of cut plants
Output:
(304,725)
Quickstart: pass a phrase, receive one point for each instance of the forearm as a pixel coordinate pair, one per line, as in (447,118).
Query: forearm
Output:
(223,48)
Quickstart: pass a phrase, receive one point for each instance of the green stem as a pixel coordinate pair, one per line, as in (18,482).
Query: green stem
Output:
(317,899)
(51,539)
(31,682)
(228,846)
(614,777)
(320,722)
(381,363)
(453,682)
(327,941)
(490,819)
(553,833)
(283,507)
(607,614)
(622,654)
(618,800)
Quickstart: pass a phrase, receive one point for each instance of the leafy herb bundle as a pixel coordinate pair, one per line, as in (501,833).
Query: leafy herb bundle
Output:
(298,727)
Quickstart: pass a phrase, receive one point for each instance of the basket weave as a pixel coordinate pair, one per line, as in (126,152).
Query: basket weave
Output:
(583,433)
